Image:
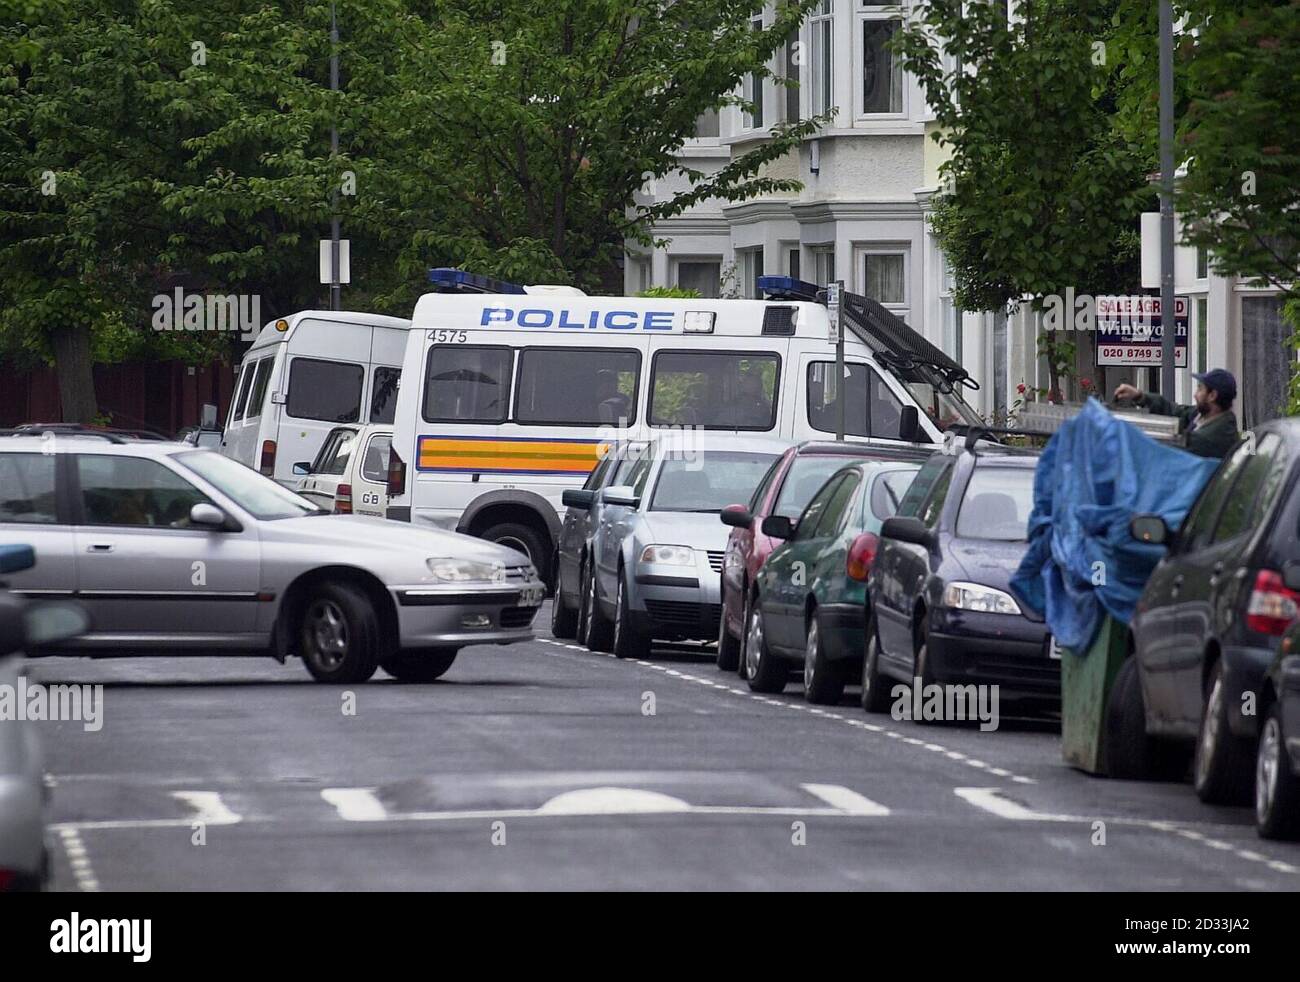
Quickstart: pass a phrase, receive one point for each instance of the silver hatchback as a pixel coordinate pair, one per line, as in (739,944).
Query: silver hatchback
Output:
(179,550)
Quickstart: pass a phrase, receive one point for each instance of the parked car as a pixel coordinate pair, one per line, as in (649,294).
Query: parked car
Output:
(24,860)
(809,603)
(350,473)
(1277,756)
(176,549)
(939,609)
(786,489)
(1207,624)
(654,561)
(582,517)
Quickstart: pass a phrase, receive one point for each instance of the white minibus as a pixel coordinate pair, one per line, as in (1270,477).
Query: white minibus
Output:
(304,375)
(510,393)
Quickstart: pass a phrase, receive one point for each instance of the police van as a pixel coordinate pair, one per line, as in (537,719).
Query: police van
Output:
(511,392)
(304,375)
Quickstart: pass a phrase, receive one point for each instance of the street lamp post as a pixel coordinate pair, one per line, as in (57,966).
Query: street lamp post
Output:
(336,299)
(1167,322)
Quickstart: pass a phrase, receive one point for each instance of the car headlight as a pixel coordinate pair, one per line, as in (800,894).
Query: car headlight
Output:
(984,599)
(447,570)
(668,555)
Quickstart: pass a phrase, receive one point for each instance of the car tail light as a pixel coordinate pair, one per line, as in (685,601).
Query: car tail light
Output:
(267,466)
(1272,605)
(343,500)
(396,472)
(861,555)
(7,877)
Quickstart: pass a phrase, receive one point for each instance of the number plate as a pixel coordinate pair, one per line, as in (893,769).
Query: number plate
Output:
(531,596)
(1053,649)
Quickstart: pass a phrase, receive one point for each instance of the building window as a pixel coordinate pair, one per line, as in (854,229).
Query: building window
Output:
(792,262)
(822,32)
(792,78)
(704,276)
(952,340)
(1202,262)
(754,87)
(706,126)
(1202,332)
(751,268)
(883,278)
(824,265)
(882,72)
(641,277)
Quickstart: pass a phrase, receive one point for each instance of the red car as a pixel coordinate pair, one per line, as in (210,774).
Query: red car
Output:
(786,489)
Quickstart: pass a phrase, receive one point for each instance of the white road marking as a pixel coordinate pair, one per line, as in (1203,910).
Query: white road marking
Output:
(612,801)
(79,860)
(845,799)
(208,807)
(991,800)
(356,804)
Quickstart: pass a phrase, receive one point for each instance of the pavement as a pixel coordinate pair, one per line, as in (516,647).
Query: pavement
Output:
(541,765)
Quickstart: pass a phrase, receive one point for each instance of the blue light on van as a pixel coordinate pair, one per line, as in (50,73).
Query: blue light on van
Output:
(447,280)
(789,288)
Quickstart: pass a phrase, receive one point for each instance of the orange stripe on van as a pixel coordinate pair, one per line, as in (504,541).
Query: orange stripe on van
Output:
(507,455)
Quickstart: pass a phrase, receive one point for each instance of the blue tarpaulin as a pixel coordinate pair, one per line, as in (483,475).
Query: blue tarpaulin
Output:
(1095,474)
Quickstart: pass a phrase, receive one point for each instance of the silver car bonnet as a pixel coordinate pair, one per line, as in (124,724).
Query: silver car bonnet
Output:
(365,532)
(699,530)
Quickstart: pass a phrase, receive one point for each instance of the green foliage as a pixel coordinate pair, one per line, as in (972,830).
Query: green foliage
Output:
(671,293)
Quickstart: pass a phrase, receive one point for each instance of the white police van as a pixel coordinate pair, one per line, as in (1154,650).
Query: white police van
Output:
(511,392)
(304,375)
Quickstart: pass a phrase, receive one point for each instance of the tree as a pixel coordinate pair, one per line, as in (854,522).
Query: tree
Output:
(1042,192)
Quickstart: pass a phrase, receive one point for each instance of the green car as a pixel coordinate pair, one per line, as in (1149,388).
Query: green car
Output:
(812,591)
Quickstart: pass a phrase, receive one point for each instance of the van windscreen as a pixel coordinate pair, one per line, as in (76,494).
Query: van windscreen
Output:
(716,390)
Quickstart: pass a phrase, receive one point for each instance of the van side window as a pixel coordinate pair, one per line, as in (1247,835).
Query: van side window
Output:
(325,390)
(466,384)
(718,390)
(383,394)
(241,395)
(600,386)
(871,409)
(258,395)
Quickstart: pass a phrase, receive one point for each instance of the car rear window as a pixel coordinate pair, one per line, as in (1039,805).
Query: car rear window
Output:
(374,465)
(997,504)
(27,488)
(888,490)
(803,480)
(325,390)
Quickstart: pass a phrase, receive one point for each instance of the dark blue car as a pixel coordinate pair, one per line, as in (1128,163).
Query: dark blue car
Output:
(940,610)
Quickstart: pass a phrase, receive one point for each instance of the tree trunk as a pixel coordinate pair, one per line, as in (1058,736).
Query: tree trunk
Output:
(72,367)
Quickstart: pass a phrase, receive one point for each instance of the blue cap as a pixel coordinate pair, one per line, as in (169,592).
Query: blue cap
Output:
(1218,380)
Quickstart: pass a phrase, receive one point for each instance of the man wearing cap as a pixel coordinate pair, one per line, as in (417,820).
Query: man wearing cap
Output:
(1210,426)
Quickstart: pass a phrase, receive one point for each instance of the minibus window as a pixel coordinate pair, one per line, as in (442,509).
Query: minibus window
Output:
(466,384)
(245,383)
(383,394)
(871,410)
(600,386)
(258,396)
(325,390)
(716,390)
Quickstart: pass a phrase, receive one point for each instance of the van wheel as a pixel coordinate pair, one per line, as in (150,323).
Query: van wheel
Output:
(339,636)
(521,538)
(420,666)
(1221,769)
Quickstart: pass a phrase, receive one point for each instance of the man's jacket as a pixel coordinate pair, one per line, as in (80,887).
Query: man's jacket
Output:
(1212,438)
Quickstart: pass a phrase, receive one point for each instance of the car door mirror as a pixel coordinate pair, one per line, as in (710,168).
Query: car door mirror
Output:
(1291,575)
(1151,529)
(737,516)
(278,398)
(302,468)
(205,515)
(24,624)
(778,527)
(16,558)
(208,417)
(909,529)
(578,499)
(620,494)
(909,425)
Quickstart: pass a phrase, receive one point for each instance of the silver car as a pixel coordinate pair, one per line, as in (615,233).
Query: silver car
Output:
(176,549)
(655,563)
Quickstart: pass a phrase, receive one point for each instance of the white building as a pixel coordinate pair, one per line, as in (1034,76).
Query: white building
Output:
(862,217)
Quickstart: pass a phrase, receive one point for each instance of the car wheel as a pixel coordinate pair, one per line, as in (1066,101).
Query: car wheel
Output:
(823,680)
(764,672)
(596,635)
(628,641)
(564,622)
(1277,789)
(1130,753)
(420,666)
(921,662)
(875,696)
(339,635)
(742,658)
(1221,768)
(728,647)
(522,538)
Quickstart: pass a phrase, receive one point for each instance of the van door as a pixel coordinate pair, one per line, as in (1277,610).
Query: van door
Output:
(370,475)
(872,409)
(250,409)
